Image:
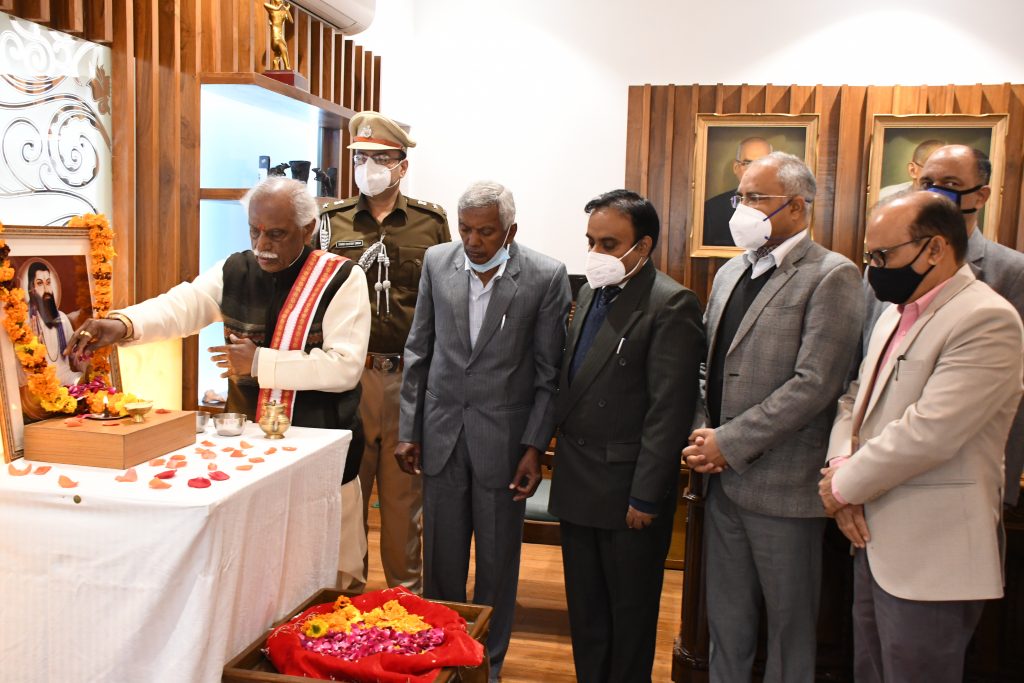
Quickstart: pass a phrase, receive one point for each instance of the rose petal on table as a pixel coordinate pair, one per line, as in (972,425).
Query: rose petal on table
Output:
(156,462)
(199,483)
(237,454)
(245,444)
(66,483)
(112,424)
(255,459)
(212,466)
(15,472)
(176,464)
(289,448)
(208,455)
(207,443)
(270,451)
(228,449)
(244,468)
(73,422)
(161,411)
(129,475)
(177,456)
(42,469)
(166,474)
(219,476)
(158,484)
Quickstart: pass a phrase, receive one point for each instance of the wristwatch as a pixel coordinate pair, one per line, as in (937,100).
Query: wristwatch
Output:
(129,327)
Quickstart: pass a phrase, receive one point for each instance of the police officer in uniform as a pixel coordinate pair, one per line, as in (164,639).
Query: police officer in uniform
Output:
(386,233)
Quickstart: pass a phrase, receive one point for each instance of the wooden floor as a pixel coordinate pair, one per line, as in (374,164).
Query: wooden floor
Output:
(540,650)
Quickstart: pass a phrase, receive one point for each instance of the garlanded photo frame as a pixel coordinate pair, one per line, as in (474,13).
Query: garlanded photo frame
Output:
(896,141)
(725,145)
(62,260)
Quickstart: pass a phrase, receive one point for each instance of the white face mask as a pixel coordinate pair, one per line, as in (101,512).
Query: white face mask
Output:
(750,228)
(604,269)
(373,178)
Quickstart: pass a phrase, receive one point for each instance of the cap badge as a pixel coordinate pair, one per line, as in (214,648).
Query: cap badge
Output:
(366,132)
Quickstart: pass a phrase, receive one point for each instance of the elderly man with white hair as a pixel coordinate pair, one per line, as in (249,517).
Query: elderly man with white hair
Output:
(481,374)
(296,327)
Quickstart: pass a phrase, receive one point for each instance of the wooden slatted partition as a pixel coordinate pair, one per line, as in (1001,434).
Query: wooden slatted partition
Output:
(660,148)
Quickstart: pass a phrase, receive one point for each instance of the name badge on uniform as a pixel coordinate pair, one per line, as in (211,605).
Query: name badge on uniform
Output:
(348,244)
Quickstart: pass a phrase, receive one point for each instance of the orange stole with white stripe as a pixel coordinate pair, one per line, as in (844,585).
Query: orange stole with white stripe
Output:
(296,317)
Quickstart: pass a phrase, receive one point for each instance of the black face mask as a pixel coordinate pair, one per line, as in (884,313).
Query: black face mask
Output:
(895,285)
(954,195)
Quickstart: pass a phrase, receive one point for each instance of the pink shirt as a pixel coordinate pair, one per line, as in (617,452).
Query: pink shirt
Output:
(909,313)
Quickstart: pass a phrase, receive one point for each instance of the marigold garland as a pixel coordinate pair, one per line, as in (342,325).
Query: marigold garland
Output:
(41,377)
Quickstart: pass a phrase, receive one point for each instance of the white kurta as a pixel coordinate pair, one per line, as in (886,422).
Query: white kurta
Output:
(337,366)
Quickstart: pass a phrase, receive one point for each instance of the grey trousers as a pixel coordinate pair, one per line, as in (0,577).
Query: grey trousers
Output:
(897,640)
(456,510)
(750,556)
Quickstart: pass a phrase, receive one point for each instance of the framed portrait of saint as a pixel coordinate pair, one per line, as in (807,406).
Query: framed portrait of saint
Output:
(901,145)
(52,266)
(726,144)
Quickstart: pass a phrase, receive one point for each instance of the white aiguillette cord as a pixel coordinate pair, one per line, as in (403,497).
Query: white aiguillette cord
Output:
(378,252)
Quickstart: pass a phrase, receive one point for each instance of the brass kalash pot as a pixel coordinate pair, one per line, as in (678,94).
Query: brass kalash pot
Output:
(274,419)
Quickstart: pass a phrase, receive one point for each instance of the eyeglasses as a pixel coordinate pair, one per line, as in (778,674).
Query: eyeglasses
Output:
(876,257)
(753,199)
(384,159)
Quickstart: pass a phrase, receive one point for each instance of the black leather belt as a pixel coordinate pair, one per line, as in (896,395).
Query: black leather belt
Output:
(384,362)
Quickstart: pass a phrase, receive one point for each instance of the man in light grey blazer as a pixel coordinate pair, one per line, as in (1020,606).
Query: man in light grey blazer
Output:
(962,174)
(783,323)
(481,374)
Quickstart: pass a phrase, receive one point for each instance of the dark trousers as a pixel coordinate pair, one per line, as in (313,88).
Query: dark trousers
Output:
(457,509)
(897,640)
(613,587)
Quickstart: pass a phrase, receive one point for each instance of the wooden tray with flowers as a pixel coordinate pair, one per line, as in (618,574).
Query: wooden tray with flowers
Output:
(252,664)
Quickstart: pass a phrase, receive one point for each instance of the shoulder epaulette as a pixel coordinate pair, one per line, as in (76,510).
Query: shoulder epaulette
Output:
(340,204)
(427,206)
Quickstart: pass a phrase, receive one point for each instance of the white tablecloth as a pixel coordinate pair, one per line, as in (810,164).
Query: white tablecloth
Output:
(139,585)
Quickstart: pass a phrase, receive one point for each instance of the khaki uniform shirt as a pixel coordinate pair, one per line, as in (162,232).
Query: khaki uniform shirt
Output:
(412,227)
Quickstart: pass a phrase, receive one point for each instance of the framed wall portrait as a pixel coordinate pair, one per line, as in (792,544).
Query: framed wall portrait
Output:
(900,145)
(725,146)
(53,267)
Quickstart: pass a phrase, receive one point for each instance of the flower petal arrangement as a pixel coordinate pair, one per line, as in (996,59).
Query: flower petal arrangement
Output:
(389,635)
(41,376)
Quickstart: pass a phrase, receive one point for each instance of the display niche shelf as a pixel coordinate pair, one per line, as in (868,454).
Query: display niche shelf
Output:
(264,92)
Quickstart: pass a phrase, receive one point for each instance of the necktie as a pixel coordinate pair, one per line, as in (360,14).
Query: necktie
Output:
(598,312)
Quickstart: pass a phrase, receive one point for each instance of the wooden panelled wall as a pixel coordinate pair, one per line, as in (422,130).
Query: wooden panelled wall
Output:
(161,50)
(660,148)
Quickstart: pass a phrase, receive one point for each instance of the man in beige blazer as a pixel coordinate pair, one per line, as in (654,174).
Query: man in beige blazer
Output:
(915,475)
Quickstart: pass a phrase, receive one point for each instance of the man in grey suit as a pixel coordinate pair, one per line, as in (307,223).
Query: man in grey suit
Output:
(962,174)
(783,321)
(481,371)
(628,385)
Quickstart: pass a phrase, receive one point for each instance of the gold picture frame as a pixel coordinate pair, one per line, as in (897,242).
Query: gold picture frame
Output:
(895,137)
(719,139)
(65,253)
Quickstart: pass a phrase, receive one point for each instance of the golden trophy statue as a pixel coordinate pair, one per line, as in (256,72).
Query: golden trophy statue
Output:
(279,13)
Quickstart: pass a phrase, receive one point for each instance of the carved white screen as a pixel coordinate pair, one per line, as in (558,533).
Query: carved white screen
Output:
(55,125)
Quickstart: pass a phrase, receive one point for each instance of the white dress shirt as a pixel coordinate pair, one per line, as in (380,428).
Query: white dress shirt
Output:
(479,297)
(774,258)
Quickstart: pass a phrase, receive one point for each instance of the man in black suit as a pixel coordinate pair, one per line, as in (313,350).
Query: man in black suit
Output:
(628,385)
(718,210)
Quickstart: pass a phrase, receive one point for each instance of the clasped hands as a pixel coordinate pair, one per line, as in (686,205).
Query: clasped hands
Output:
(849,518)
(702,454)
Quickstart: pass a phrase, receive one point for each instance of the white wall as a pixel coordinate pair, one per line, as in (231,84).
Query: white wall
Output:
(532,93)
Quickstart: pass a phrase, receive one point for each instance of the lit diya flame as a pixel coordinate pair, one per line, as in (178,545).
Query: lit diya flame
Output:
(106,406)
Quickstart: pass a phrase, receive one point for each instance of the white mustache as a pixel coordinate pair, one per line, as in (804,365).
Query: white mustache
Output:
(269,255)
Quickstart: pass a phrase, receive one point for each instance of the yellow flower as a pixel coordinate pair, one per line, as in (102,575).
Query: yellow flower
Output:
(315,628)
